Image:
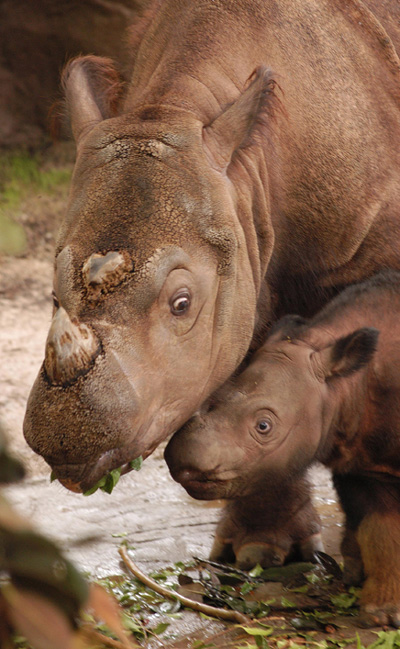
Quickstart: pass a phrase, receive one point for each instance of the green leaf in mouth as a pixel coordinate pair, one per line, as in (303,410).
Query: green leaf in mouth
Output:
(136,465)
(108,482)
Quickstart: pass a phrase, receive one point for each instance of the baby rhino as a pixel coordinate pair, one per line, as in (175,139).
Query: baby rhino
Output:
(326,389)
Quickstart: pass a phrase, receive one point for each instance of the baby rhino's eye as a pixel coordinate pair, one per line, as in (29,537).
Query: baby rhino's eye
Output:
(264,425)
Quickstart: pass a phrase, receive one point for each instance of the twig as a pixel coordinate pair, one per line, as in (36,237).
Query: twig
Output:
(222,613)
(229,570)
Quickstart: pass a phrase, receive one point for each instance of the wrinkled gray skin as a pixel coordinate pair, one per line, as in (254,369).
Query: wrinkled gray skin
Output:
(327,390)
(204,204)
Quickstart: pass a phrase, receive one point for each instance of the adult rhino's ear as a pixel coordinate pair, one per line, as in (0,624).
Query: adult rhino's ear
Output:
(350,353)
(234,127)
(92,90)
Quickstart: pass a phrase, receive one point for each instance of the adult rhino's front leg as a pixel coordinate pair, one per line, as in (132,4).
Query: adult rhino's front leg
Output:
(268,528)
(371,546)
(353,569)
(379,539)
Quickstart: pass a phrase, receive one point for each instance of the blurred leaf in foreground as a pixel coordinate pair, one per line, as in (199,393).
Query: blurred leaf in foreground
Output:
(11,470)
(44,595)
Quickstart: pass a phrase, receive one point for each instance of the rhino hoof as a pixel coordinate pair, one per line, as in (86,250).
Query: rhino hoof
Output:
(371,615)
(251,554)
(222,551)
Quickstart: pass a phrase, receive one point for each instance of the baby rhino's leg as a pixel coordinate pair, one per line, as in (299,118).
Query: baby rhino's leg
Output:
(246,543)
(269,527)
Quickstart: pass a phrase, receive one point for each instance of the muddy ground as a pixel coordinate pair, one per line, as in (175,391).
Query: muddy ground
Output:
(149,510)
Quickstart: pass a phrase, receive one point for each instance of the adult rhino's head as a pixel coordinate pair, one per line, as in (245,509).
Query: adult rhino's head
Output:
(156,277)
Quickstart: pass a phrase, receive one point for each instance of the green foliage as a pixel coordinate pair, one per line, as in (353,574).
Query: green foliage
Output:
(12,236)
(21,175)
(257,631)
(136,464)
(386,640)
(108,482)
(139,600)
(344,601)
(256,571)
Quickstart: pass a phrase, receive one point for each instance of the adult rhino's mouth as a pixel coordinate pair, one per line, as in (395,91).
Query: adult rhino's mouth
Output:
(83,478)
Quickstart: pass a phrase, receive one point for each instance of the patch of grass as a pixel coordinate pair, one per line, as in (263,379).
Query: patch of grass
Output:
(12,236)
(21,174)
(24,178)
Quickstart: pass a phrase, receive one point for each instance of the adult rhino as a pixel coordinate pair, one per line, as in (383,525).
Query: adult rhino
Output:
(251,169)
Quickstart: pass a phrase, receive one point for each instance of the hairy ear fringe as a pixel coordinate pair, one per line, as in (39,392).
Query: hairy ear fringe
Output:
(105,82)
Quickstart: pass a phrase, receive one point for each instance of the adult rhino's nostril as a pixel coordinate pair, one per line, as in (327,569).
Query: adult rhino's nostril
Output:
(71,348)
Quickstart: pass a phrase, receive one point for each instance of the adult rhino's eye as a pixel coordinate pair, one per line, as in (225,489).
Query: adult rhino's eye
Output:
(264,425)
(180,303)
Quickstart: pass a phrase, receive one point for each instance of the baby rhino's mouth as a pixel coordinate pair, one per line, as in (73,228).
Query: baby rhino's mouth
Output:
(200,485)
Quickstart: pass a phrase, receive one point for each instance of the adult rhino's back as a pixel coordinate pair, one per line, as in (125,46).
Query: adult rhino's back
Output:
(256,151)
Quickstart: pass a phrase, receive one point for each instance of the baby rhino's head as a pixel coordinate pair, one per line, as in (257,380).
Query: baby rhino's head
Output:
(269,422)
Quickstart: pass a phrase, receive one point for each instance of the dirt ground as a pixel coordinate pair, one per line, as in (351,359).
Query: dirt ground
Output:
(147,508)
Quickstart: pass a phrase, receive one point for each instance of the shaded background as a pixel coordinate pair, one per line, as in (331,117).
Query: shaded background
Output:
(37,37)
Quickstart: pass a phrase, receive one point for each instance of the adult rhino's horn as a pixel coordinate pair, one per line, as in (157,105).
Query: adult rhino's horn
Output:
(92,90)
(71,348)
(234,127)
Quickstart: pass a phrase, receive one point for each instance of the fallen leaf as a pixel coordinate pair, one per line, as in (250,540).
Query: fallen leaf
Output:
(256,631)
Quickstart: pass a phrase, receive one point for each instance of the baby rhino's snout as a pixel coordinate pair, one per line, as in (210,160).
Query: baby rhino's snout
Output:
(203,459)
(193,453)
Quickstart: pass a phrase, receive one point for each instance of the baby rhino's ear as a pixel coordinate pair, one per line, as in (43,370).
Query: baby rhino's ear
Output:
(350,353)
